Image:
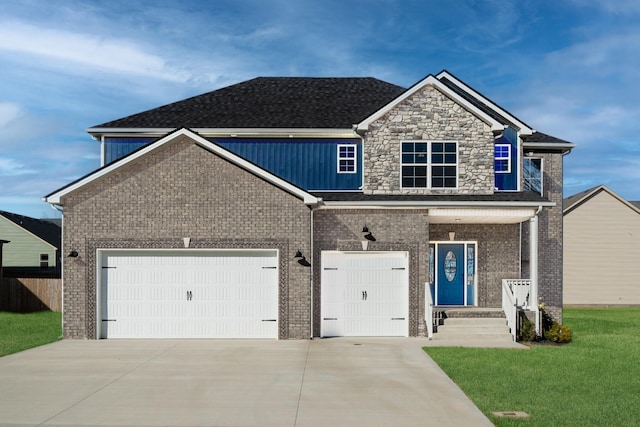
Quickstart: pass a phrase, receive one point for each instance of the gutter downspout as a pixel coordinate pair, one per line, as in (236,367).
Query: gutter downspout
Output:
(533,264)
(60,209)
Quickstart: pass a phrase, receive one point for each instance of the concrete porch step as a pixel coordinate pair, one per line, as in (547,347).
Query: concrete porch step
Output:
(473,322)
(472,325)
(469,312)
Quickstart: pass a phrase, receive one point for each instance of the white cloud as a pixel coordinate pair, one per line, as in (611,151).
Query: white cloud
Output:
(9,112)
(11,167)
(85,49)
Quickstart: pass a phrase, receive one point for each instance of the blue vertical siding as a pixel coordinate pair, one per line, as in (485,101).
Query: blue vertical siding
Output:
(509,181)
(116,148)
(311,164)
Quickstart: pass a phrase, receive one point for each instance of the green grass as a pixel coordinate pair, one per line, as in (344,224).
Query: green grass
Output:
(593,381)
(19,331)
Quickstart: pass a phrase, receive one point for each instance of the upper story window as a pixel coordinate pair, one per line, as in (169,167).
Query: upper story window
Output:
(44,260)
(427,164)
(502,158)
(347,158)
(532,174)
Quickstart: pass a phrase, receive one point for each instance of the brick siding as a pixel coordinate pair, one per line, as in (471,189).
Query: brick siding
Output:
(182,190)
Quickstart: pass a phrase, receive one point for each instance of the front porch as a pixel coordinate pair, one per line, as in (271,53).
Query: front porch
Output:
(446,323)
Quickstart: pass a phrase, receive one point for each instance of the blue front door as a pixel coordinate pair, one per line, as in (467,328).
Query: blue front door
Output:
(450,286)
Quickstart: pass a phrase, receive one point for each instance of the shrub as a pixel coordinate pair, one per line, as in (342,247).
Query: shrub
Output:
(558,333)
(527,330)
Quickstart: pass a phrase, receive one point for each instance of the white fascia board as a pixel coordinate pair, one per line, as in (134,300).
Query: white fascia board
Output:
(232,132)
(431,80)
(435,204)
(524,129)
(308,199)
(549,145)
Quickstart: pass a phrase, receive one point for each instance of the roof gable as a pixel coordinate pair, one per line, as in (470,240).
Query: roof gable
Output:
(269,102)
(43,230)
(430,80)
(573,202)
(483,103)
(55,198)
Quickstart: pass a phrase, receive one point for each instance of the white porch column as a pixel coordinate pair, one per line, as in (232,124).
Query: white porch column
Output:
(533,267)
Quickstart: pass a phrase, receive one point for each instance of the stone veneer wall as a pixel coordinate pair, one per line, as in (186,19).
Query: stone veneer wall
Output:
(431,116)
(394,230)
(498,255)
(182,190)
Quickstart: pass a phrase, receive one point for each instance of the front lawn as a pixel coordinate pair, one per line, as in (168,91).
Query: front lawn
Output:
(593,381)
(20,331)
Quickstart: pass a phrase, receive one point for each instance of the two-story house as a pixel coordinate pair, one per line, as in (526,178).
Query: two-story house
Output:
(310,207)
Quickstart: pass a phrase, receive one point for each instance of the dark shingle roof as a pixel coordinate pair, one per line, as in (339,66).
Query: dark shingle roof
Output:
(44,229)
(569,201)
(477,102)
(272,102)
(543,137)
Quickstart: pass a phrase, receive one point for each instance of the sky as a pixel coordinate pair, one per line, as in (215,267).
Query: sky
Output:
(567,68)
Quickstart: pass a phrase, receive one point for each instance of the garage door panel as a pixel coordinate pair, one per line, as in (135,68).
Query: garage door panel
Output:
(364,294)
(193,295)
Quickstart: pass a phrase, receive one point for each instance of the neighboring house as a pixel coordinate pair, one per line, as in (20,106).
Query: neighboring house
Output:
(34,244)
(298,207)
(601,249)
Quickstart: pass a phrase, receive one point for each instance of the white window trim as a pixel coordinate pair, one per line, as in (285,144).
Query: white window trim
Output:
(429,164)
(541,171)
(354,158)
(508,158)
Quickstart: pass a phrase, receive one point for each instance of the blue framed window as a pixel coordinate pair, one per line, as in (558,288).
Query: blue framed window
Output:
(347,158)
(429,164)
(502,158)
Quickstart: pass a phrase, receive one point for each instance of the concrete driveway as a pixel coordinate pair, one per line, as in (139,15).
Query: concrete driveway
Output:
(328,382)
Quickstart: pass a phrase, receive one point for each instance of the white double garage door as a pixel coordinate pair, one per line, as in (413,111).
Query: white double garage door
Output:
(234,294)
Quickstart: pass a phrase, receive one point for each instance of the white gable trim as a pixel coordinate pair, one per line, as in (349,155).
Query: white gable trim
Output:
(55,198)
(431,81)
(523,128)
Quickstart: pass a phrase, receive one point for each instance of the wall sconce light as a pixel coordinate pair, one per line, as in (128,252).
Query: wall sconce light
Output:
(452,235)
(73,254)
(301,259)
(366,233)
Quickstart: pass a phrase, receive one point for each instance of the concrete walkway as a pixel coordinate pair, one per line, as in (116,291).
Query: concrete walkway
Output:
(328,382)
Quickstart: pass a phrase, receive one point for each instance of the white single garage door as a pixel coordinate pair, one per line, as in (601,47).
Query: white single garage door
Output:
(188,294)
(364,294)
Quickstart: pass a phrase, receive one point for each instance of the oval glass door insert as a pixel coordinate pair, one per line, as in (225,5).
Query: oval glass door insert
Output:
(450,266)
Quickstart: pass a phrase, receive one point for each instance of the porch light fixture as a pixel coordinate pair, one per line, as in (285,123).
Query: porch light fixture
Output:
(73,254)
(366,234)
(452,235)
(301,259)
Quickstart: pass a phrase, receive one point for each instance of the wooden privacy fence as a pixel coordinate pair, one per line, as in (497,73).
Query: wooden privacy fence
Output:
(25,295)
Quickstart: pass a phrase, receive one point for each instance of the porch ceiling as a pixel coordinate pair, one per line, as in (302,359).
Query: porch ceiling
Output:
(480,216)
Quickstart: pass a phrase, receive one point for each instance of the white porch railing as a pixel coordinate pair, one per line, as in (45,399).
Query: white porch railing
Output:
(516,294)
(521,289)
(428,310)
(509,307)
